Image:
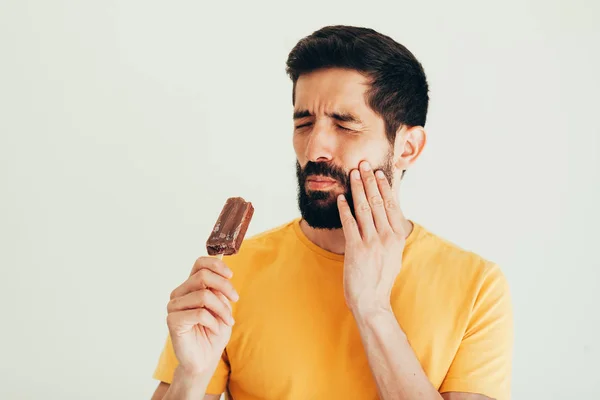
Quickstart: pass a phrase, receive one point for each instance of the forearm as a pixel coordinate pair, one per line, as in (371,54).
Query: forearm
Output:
(397,371)
(186,386)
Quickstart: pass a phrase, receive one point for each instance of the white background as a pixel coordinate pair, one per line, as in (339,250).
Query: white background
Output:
(124,126)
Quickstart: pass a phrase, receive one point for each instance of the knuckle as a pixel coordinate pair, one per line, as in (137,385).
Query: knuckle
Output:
(391,238)
(200,314)
(349,221)
(390,204)
(199,262)
(203,274)
(218,263)
(363,207)
(399,237)
(171,305)
(387,238)
(376,200)
(204,262)
(371,241)
(203,297)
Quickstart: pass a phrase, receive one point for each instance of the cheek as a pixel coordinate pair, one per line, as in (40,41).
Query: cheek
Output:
(299,143)
(351,153)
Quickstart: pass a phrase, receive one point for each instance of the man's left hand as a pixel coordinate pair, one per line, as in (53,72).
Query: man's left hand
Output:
(374,241)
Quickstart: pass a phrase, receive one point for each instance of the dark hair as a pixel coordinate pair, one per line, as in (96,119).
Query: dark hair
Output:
(399,90)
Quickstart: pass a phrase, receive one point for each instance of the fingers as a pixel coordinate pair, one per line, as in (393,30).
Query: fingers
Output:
(200,316)
(206,279)
(375,198)
(203,299)
(349,225)
(390,203)
(223,299)
(214,264)
(362,209)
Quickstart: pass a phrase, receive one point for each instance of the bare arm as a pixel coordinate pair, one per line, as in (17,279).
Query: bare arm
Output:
(394,365)
(375,238)
(161,391)
(464,396)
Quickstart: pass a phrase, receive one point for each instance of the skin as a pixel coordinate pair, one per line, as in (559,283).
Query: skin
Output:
(372,242)
(320,138)
(200,322)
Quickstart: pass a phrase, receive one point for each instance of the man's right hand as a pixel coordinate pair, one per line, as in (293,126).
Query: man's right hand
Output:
(199,316)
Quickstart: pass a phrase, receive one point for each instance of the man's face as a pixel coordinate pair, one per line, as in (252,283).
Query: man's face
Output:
(334,130)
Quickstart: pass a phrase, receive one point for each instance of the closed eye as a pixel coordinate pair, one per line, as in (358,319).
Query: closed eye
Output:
(310,123)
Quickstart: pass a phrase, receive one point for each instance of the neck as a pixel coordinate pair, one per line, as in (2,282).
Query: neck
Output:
(333,240)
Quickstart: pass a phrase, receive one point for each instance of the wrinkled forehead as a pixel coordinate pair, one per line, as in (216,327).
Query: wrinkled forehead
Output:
(332,90)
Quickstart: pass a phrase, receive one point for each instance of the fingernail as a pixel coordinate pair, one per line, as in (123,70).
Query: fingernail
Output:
(365,166)
(341,197)
(355,174)
(380,174)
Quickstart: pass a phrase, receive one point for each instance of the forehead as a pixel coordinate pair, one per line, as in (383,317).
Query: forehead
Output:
(332,89)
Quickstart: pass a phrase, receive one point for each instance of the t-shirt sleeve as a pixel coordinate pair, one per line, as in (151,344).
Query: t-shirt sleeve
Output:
(168,362)
(483,362)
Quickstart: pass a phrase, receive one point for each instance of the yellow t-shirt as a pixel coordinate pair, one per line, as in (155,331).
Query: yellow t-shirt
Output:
(295,338)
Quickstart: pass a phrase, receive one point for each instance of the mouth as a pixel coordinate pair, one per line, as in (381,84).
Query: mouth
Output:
(319,182)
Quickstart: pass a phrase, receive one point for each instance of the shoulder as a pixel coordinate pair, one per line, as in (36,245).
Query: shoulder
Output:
(442,253)
(462,269)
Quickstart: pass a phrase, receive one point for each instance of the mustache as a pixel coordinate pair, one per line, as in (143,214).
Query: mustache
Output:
(324,169)
(319,208)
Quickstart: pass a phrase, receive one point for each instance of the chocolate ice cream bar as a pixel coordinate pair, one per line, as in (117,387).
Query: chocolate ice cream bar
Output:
(230,228)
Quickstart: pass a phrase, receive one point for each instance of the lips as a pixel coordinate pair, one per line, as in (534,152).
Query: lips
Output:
(320,179)
(320,183)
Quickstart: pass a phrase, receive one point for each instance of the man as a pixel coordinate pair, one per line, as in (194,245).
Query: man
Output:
(353,300)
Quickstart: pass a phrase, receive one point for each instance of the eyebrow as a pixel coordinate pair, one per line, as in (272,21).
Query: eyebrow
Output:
(339,116)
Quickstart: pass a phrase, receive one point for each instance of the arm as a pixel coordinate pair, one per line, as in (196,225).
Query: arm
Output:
(464,396)
(184,387)
(375,238)
(373,258)
(161,391)
(396,369)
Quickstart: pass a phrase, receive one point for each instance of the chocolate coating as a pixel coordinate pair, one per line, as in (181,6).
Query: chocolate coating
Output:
(230,228)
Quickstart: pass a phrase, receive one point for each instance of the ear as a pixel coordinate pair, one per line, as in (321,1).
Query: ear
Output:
(410,142)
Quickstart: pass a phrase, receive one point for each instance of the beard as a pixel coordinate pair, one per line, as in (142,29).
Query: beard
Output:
(319,207)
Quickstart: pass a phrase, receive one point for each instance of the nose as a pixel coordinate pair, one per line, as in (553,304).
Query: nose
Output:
(320,145)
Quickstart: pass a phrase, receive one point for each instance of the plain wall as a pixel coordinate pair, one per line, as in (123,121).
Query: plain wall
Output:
(124,126)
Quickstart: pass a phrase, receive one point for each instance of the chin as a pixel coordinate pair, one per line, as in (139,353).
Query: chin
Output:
(321,214)
(319,208)
(323,225)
